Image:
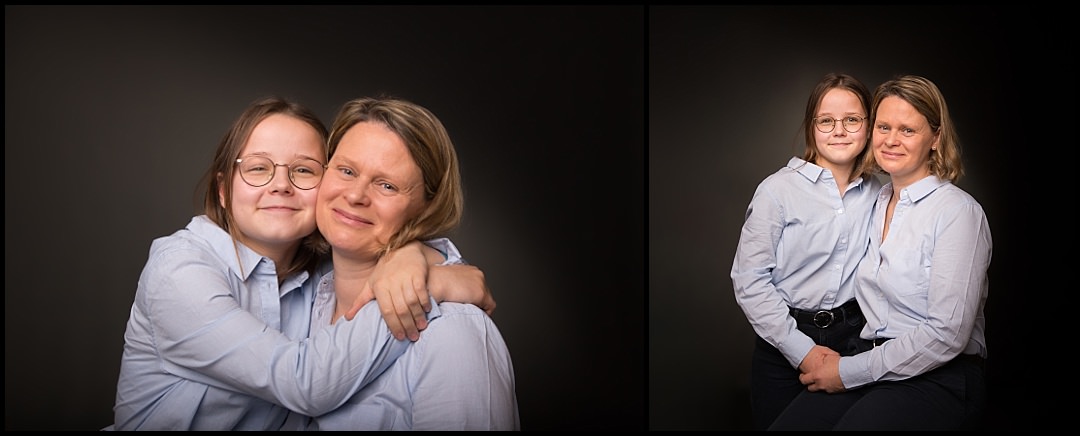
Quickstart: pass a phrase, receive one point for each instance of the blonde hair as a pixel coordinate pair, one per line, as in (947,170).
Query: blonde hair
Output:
(924,96)
(429,145)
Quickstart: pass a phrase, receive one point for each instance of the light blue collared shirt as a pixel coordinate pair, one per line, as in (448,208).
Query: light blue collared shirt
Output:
(800,245)
(213,343)
(458,376)
(925,285)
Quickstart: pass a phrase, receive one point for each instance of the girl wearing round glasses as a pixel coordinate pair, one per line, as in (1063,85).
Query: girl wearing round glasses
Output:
(218,336)
(923,285)
(804,233)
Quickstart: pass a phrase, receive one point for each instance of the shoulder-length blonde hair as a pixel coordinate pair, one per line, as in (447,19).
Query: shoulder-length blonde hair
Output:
(429,145)
(924,96)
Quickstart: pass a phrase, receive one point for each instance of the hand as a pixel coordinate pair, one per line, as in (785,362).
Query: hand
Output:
(815,358)
(366,295)
(461,284)
(399,285)
(825,376)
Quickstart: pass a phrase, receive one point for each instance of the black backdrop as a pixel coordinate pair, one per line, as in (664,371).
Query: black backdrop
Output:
(727,87)
(560,115)
(112,114)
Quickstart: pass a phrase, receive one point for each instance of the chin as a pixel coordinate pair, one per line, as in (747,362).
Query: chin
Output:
(345,242)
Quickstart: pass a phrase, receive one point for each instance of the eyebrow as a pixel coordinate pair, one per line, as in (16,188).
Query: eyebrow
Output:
(295,156)
(378,173)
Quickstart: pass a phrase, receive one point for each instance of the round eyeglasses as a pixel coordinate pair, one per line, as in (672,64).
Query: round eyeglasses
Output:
(826,124)
(304,173)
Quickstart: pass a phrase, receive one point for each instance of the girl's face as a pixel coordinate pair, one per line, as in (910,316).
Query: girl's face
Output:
(371,189)
(275,217)
(839,147)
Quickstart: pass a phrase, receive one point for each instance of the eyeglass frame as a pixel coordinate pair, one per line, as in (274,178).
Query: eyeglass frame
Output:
(841,120)
(273,171)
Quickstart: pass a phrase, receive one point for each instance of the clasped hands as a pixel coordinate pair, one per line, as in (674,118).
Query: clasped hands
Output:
(820,370)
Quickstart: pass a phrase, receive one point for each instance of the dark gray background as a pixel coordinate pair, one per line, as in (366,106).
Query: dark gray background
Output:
(112,114)
(727,90)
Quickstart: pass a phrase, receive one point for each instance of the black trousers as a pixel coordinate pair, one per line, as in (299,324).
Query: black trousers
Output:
(774,383)
(951,397)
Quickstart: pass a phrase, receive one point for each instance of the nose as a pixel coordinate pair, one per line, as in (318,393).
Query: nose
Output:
(280,182)
(892,138)
(359,194)
(886,139)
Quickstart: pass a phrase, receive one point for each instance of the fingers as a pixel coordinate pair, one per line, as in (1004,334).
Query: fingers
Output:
(420,291)
(366,295)
(411,305)
(387,307)
(409,310)
(489,304)
(352,312)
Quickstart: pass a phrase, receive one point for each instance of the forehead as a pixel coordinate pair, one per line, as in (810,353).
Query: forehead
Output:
(283,136)
(375,147)
(840,99)
(893,108)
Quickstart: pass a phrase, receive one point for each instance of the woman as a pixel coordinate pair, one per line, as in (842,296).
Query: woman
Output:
(392,178)
(805,232)
(217,334)
(922,285)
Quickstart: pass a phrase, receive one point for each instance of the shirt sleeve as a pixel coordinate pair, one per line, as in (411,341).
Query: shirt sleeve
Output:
(448,249)
(752,279)
(956,259)
(465,380)
(202,334)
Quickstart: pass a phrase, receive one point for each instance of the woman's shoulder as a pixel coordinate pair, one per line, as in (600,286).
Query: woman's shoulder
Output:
(459,309)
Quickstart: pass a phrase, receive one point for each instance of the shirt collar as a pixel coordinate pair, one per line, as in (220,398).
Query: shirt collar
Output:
(920,189)
(226,247)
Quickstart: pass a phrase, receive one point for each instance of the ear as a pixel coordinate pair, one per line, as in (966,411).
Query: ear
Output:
(221,190)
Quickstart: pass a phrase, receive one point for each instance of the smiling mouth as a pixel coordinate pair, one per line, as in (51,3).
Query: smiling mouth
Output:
(351,219)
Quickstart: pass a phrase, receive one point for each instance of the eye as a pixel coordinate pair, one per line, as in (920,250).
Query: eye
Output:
(386,188)
(254,168)
(346,172)
(826,121)
(907,131)
(852,120)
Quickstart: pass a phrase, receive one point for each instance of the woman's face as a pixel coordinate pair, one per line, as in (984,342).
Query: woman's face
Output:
(839,147)
(902,141)
(276,216)
(372,187)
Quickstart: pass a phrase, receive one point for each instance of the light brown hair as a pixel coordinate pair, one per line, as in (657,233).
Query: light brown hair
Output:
(224,164)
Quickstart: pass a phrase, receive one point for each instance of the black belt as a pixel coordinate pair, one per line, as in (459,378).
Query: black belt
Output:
(825,318)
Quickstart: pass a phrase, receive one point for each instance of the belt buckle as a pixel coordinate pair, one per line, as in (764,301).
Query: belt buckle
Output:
(823,318)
